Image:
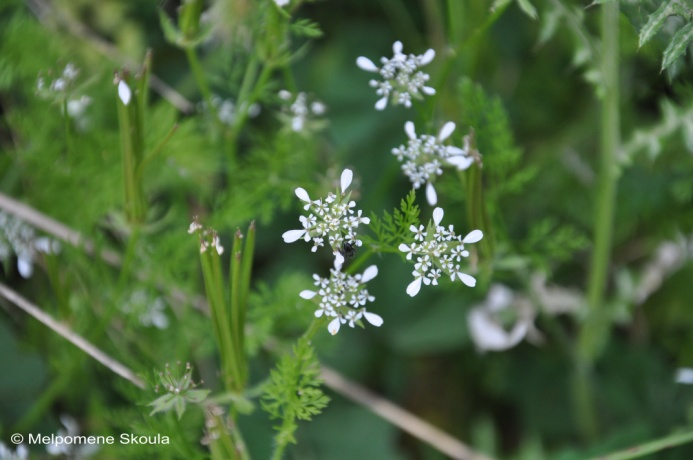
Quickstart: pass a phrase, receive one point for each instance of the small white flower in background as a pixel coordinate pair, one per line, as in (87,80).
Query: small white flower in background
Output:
(684,376)
(18,237)
(61,85)
(208,237)
(343,298)
(486,320)
(226,110)
(333,218)
(402,79)
(72,451)
(148,309)
(438,251)
(425,156)
(6,453)
(301,115)
(281,3)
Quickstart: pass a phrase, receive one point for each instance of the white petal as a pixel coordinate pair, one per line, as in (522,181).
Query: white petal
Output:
(347,176)
(403,247)
(460,162)
(366,64)
(409,129)
(428,90)
(302,194)
(124,92)
(338,260)
(427,57)
(25,266)
(372,318)
(366,220)
(370,273)
(473,236)
(397,47)
(431,195)
(293,235)
(381,104)
(333,327)
(447,129)
(307,294)
(318,313)
(452,150)
(438,215)
(466,279)
(684,375)
(486,333)
(414,287)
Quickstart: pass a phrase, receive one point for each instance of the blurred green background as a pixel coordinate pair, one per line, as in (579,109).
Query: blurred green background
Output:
(540,184)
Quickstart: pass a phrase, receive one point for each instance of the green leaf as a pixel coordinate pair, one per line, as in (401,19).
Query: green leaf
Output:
(528,8)
(678,45)
(171,33)
(654,23)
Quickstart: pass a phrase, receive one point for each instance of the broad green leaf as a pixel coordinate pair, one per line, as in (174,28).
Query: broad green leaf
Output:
(655,22)
(678,44)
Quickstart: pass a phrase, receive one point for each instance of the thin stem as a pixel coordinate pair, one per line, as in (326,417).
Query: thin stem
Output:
(201,82)
(666,442)
(595,328)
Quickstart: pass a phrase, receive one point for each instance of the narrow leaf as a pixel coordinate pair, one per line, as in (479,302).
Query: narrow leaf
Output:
(528,8)
(655,22)
(678,45)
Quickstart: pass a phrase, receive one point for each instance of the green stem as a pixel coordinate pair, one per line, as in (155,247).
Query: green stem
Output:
(201,82)
(608,171)
(650,447)
(594,330)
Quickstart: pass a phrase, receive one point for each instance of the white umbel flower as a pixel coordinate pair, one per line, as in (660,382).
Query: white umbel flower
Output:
(333,218)
(343,297)
(302,113)
(424,157)
(436,251)
(486,327)
(402,79)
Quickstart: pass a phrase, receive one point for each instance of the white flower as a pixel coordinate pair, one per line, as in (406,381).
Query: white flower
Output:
(486,328)
(124,92)
(6,453)
(147,308)
(281,3)
(424,156)
(343,297)
(684,375)
(300,115)
(69,450)
(436,251)
(402,79)
(17,237)
(334,218)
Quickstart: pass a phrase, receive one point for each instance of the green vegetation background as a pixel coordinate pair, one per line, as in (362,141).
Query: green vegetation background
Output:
(513,404)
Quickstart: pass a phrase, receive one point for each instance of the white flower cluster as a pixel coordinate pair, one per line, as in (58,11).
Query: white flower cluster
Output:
(402,79)
(6,453)
(226,110)
(333,218)
(300,115)
(208,237)
(424,157)
(62,84)
(59,90)
(149,309)
(438,250)
(18,237)
(343,297)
